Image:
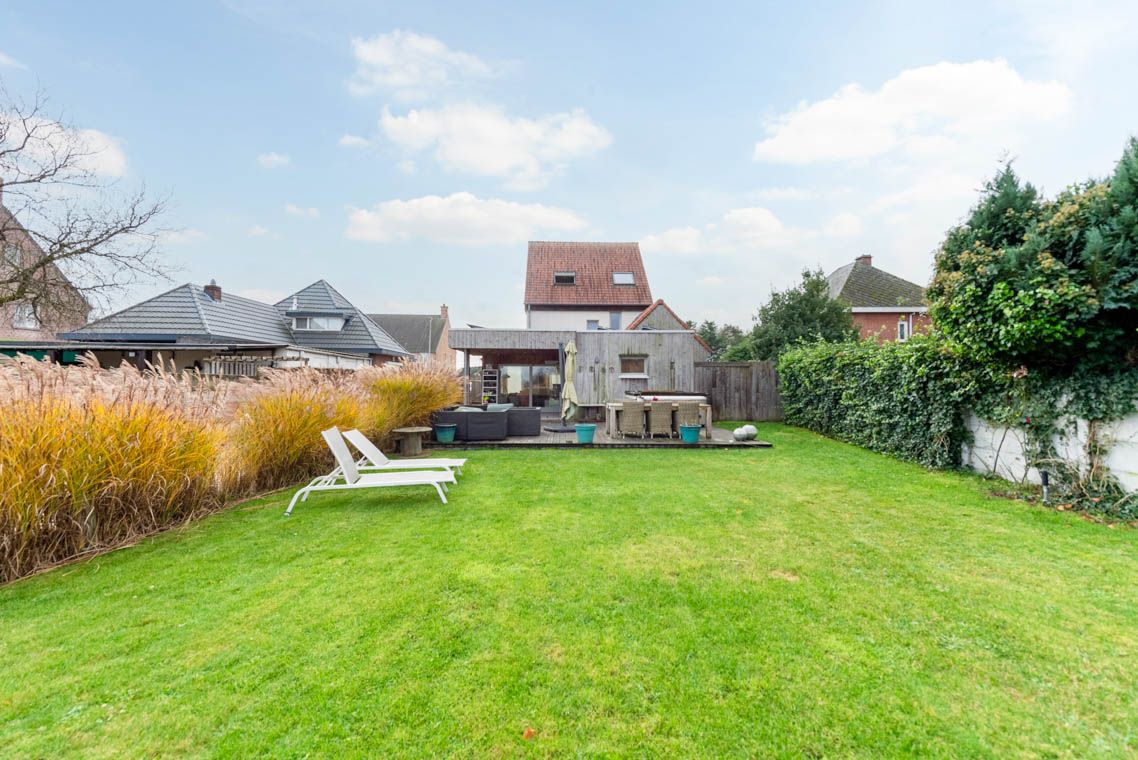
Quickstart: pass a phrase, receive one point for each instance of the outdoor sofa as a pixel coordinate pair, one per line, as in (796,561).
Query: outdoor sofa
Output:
(493,423)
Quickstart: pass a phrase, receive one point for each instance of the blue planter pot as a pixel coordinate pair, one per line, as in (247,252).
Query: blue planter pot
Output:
(689,433)
(585,433)
(444,432)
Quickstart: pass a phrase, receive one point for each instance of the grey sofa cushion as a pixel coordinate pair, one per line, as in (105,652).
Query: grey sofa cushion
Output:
(524,420)
(486,426)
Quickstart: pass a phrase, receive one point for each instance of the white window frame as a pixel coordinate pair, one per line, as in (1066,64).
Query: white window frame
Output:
(24,317)
(572,276)
(631,277)
(318,324)
(13,254)
(902,330)
(614,320)
(642,375)
(592,324)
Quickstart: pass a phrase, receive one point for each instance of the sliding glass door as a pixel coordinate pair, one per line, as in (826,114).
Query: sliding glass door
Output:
(530,385)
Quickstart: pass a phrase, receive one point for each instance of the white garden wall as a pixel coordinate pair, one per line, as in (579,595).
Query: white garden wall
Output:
(989,440)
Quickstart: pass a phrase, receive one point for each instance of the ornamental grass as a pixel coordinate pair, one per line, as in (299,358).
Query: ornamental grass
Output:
(91,459)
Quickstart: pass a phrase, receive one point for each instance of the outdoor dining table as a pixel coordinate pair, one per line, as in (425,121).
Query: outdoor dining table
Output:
(613,407)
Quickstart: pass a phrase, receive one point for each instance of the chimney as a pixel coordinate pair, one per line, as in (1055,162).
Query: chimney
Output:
(443,312)
(865,258)
(213,290)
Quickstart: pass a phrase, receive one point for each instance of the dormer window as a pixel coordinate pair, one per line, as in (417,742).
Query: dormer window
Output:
(564,278)
(623,278)
(317,324)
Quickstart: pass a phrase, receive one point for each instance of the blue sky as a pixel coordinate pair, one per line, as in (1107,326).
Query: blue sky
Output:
(405,152)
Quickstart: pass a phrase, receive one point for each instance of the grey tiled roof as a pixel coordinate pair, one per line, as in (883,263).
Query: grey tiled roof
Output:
(418,333)
(862,285)
(188,313)
(359,335)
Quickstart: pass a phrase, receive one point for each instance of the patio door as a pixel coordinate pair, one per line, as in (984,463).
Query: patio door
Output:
(530,385)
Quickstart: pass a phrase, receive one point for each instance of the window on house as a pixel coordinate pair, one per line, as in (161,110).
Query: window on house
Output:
(592,324)
(902,330)
(564,278)
(614,320)
(634,365)
(12,254)
(623,278)
(24,317)
(317,324)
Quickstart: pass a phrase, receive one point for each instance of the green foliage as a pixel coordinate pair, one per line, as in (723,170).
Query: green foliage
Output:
(718,337)
(1044,283)
(802,313)
(904,399)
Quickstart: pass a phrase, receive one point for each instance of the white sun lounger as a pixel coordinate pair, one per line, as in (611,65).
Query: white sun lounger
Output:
(374,459)
(347,477)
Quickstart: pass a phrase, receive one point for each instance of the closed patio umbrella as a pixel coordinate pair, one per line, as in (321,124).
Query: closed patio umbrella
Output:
(568,390)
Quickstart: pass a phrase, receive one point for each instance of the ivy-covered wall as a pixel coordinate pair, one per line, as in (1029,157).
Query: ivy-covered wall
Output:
(903,399)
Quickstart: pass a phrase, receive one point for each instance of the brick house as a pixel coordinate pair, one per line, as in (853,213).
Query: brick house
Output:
(25,321)
(884,306)
(425,336)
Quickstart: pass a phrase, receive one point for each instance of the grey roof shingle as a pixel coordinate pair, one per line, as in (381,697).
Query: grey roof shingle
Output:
(863,285)
(418,333)
(188,312)
(359,334)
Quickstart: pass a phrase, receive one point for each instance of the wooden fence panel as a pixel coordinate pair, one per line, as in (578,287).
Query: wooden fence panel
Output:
(740,390)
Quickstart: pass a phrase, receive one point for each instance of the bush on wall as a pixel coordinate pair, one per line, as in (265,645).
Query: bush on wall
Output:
(903,399)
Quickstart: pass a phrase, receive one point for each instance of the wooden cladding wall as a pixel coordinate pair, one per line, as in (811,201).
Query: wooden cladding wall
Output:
(740,390)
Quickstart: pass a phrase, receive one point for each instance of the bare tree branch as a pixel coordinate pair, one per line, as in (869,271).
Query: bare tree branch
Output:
(68,235)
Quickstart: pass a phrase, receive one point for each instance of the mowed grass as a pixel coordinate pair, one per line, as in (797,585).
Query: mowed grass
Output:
(813,599)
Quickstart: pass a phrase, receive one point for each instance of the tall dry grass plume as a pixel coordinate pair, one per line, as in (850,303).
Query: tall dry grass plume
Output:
(92,458)
(274,438)
(398,395)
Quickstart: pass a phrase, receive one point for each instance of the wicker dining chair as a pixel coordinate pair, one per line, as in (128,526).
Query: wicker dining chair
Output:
(660,419)
(687,413)
(632,418)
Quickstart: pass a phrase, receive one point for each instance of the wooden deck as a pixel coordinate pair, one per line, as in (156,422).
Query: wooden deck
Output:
(720,439)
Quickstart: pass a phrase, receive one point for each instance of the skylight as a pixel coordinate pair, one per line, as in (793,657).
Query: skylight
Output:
(623,278)
(564,278)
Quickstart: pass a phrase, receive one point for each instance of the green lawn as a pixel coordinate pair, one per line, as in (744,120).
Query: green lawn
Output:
(813,599)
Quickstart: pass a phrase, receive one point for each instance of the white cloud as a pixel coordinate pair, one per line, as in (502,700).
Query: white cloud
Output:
(843,225)
(273,160)
(757,227)
(91,150)
(1075,35)
(485,141)
(711,280)
(258,231)
(8,62)
(930,109)
(352,141)
(295,210)
(460,219)
(934,186)
(411,66)
(180,237)
(676,240)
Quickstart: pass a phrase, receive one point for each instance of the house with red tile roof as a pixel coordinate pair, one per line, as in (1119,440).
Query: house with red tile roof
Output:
(584,286)
(595,298)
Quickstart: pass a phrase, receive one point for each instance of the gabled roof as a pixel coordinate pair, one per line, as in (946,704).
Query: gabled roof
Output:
(418,333)
(188,311)
(359,334)
(660,308)
(593,264)
(863,285)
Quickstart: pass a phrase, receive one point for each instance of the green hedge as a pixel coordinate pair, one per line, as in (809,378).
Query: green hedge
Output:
(902,399)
